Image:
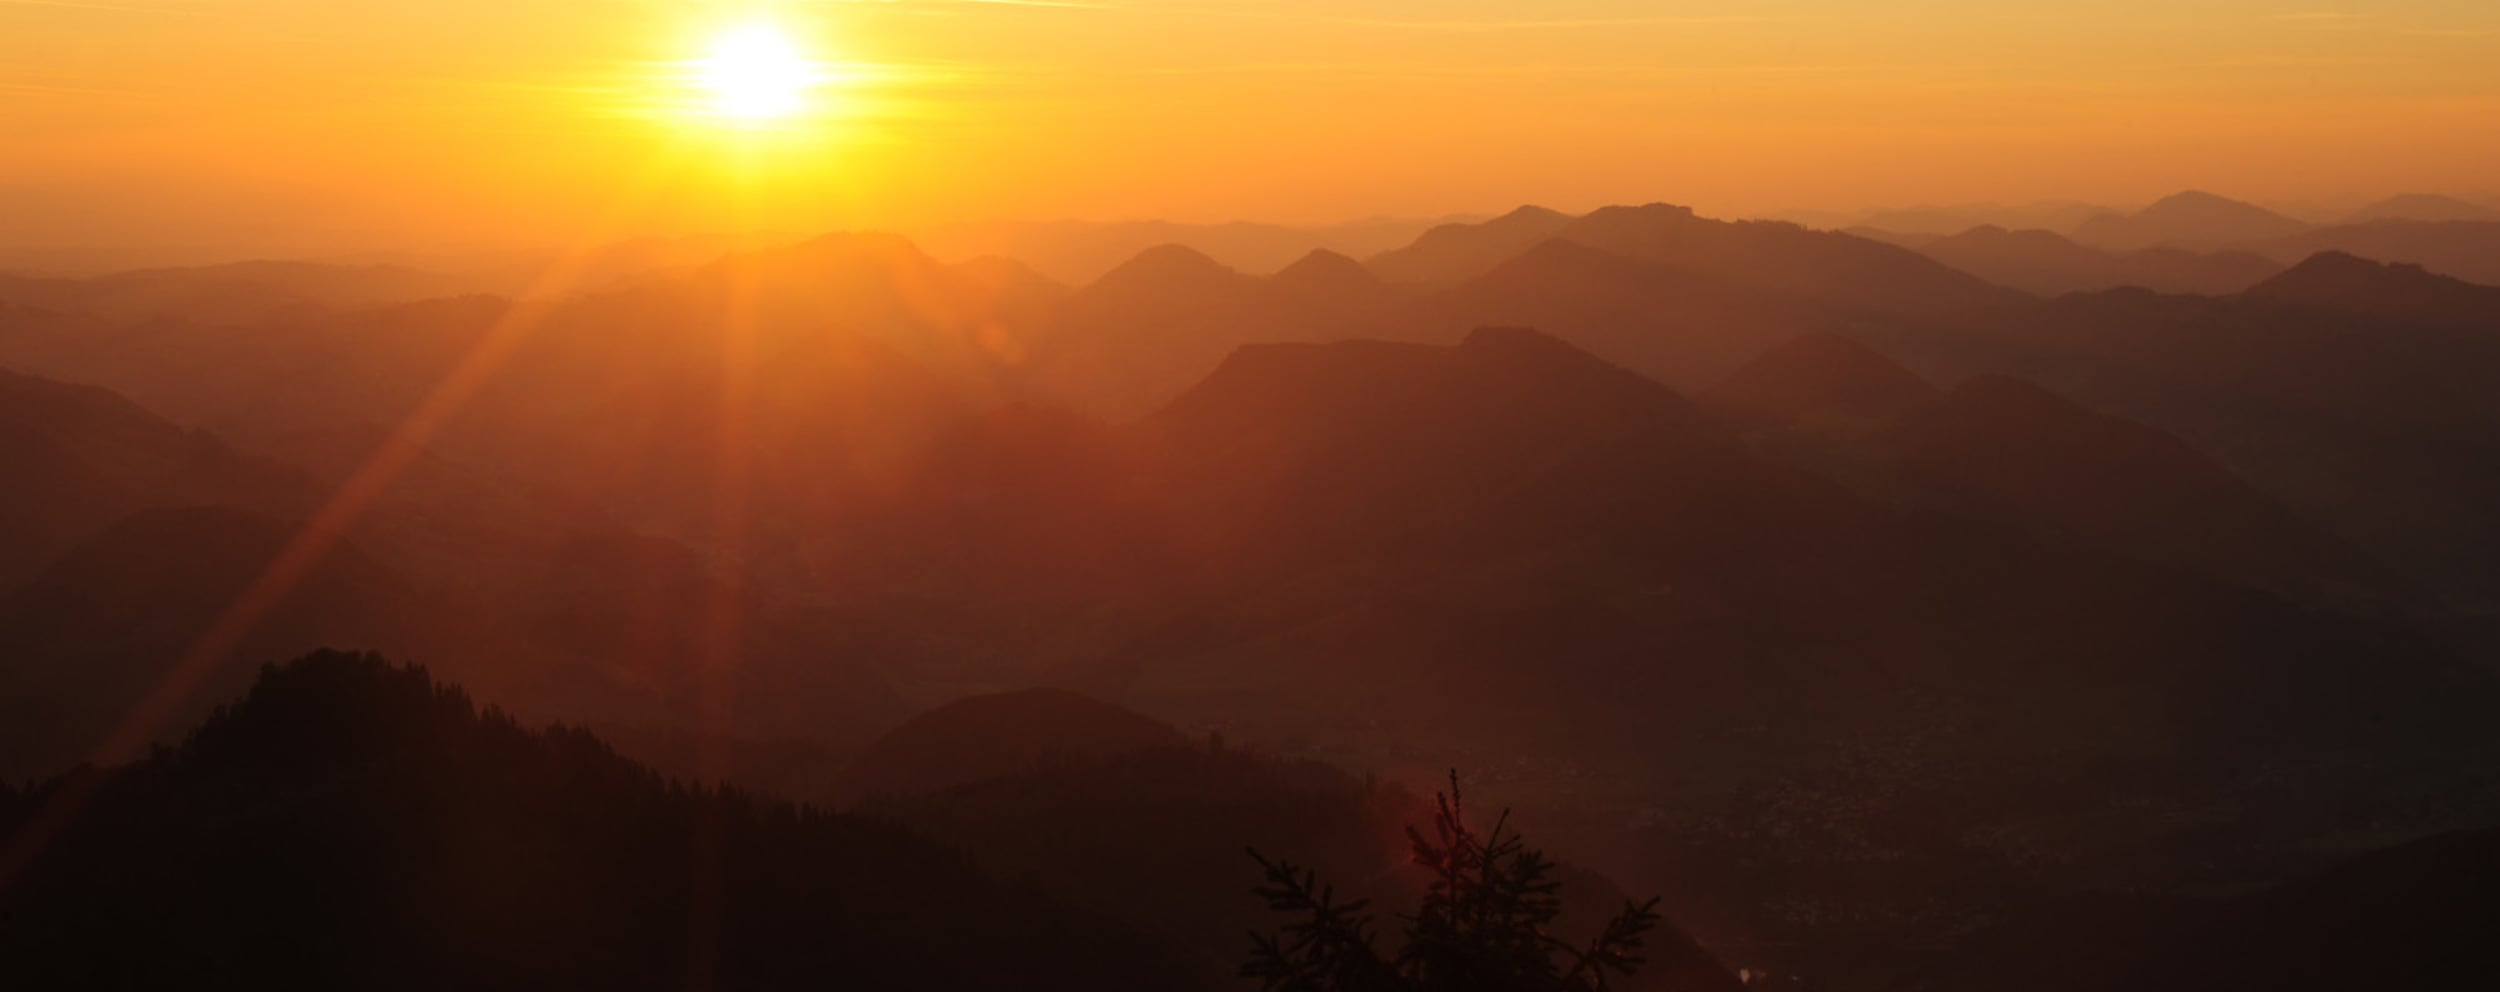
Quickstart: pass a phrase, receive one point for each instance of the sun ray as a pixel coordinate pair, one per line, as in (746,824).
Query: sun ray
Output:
(723,616)
(322,530)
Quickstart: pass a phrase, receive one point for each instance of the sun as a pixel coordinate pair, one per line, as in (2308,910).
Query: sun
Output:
(755,72)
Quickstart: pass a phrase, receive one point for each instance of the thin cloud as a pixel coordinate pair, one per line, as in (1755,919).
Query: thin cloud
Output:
(120,8)
(17,87)
(1061,4)
(1412,24)
(1565,24)
(1048,4)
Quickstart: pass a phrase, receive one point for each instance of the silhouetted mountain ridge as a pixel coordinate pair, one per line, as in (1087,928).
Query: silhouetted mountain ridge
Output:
(2045,263)
(2414,916)
(1140,821)
(1823,380)
(1078,252)
(2421,207)
(1452,252)
(2397,291)
(1327,274)
(350,823)
(1829,266)
(984,737)
(84,457)
(2191,218)
(1168,272)
(1680,327)
(2002,449)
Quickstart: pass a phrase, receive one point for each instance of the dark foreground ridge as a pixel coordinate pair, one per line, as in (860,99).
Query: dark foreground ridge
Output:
(353,824)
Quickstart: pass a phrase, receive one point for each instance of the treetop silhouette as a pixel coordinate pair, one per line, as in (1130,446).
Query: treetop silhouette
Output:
(1485,924)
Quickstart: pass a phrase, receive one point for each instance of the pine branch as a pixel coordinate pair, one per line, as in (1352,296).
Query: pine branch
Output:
(1616,948)
(1484,923)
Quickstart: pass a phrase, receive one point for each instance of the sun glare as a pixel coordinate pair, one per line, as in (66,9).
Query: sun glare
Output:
(755,72)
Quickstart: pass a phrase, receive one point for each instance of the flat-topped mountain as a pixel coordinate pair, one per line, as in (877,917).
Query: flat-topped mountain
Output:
(1829,266)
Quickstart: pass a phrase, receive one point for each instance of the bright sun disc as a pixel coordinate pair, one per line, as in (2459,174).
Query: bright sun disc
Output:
(756,73)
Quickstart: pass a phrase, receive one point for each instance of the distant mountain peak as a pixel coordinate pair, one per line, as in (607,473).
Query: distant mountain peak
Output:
(2336,272)
(1988,242)
(1565,255)
(1659,212)
(1000,268)
(1169,259)
(58,400)
(1452,252)
(1322,259)
(2197,197)
(1323,271)
(2332,262)
(2051,264)
(2188,217)
(1529,214)
(1171,268)
(1777,256)
(1522,365)
(2196,205)
(2340,280)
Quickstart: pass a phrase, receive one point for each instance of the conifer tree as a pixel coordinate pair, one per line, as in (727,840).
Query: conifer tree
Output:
(1485,924)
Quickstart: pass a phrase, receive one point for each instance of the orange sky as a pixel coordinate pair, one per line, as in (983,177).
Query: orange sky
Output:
(294,126)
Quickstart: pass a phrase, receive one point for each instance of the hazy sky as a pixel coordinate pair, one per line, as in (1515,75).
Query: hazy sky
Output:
(284,124)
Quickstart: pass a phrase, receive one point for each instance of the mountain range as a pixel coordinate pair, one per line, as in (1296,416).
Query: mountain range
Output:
(1871,602)
(1080,252)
